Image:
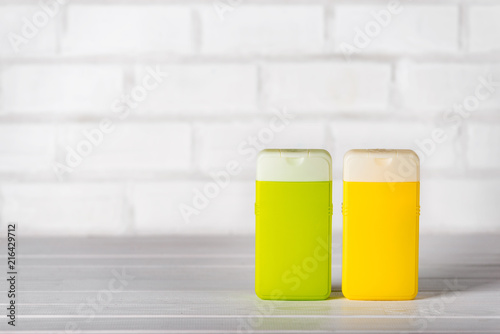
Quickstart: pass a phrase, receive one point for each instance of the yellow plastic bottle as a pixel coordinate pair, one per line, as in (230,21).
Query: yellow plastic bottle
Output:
(293,225)
(380,238)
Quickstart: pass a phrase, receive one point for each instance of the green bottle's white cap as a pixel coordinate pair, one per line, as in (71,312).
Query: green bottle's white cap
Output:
(381,166)
(294,165)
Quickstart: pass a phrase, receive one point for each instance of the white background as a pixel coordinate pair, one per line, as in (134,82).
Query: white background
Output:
(230,66)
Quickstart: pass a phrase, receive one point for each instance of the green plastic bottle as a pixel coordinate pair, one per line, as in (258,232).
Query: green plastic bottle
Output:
(293,225)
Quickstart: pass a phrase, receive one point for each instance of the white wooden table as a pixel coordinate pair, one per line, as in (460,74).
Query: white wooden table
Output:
(205,285)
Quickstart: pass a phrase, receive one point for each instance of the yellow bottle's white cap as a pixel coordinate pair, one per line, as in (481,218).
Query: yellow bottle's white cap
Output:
(381,166)
(294,165)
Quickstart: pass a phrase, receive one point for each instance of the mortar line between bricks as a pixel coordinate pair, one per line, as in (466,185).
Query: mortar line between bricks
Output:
(472,174)
(204,176)
(463,27)
(196,33)
(429,58)
(484,116)
(252,2)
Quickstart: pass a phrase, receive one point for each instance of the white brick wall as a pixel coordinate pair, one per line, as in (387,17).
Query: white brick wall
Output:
(219,143)
(13,22)
(128,148)
(157,208)
(438,85)
(222,74)
(58,88)
(483,146)
(66,209)
(200,88)
(403,28)
(129,29)
(327,86)
(484,28)
(460,205)
(263,30)
(347,135)
(27,148)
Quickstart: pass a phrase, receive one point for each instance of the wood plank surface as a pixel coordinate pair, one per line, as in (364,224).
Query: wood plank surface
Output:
(204,284)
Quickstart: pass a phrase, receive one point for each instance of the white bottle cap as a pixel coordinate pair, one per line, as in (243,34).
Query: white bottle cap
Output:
(294,165)
(381,166)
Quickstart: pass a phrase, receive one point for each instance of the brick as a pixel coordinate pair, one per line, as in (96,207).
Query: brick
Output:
(20,35)
(65,209)
(107,29)
(128,148)
(460,205)
(219,143)
(483,141)
(157,208)
(327,87)
(200,88)
(439,86)
(71,88)
(408,29)
(271,29)
(441,155)
(26,148)
(484,28)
